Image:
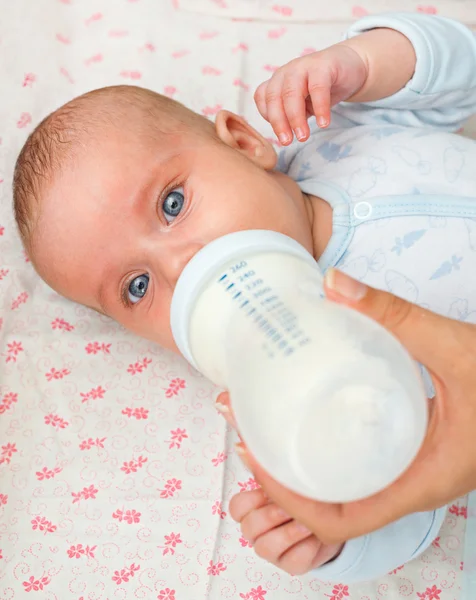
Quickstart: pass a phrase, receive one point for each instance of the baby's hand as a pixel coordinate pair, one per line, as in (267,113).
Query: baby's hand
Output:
(308,86)
(277,537)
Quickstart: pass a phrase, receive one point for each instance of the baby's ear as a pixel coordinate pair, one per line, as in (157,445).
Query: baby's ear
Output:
(235,132)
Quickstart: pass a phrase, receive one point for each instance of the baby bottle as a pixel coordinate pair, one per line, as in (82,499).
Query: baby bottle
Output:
(327,401)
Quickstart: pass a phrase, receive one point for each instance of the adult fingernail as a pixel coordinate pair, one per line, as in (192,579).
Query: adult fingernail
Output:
(222,408)
(300,133)
(344,285)
(240,449)
(284,138)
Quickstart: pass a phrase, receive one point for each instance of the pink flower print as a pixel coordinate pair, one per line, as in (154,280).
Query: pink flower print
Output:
(118,514)
(427,9)
(131,74)
(43,524)
(221,457)
(46,473)
(139,366)
(2,229)
(7,401)
(217,510)
(241,46)
(87,493)
(7,452)
(176,437)
(93,394)
(3,499)
(76,551)
(285,11)
(19,300)
(274,34)
(432,593)
(132,466)
(208,70)
(89,551)
(170,90)
(35,584)
(255,594)
(209,111)
(171,541)
(89,443)
(62,325)
(166,594)
(171,486)
(215,569)
(359,11)
(245,543)
(458,511)
(175,386)
(240,83)
(180,53)
(339,592)
(125,574)
(29,80)
(24,120)
(56,421)
(3,272)
(90,492)
(92,18)
(96,347)
(249,485)
(132,516)
(395,571)
(1,555)
(57,374)
(13,350)
(96,58)
(436,542)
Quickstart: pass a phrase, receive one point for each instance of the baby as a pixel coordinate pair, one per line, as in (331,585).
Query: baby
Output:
(118,189)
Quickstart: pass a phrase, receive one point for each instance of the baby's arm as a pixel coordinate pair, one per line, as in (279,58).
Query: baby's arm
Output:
(408,69)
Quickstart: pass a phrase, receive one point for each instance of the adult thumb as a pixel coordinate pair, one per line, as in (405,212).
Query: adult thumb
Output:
(419,330)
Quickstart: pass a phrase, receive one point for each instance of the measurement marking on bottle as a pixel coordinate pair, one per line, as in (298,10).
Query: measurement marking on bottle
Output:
(230,286)
(222,277)
(245,303)
(237,295)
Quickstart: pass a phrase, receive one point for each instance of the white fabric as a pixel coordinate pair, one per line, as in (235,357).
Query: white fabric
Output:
(86,406)
(322,10)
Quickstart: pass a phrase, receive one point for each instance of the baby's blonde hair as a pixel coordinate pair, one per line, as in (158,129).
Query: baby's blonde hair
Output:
(56,139)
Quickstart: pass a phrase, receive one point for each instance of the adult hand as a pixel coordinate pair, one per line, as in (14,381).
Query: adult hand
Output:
(445,467)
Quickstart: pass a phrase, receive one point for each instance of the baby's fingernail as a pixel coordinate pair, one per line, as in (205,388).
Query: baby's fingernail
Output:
(284,138)
(300,133)
(345,286)
(322,122)
(222,408)
(300,528)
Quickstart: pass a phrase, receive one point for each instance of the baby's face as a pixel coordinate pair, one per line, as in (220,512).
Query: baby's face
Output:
(118,226)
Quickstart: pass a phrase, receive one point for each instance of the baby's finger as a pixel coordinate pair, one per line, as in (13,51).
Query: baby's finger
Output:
(276,543)
(261,520)
(243,503)
(319,87)
(294,101)
(275,108)
(302,557)
(260,99)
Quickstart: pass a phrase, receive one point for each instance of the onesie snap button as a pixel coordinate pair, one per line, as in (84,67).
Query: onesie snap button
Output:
(362,210)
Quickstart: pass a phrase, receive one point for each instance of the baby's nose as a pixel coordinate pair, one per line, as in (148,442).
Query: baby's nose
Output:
(176,261)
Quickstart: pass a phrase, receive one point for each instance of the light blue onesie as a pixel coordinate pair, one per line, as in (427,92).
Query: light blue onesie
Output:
(403,193)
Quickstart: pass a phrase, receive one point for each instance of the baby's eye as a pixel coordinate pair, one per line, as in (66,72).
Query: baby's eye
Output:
(137,288)
(173,204)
